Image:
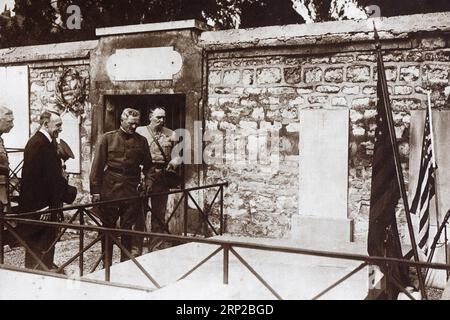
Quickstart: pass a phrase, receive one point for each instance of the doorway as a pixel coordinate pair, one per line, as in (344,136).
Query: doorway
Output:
(174,104)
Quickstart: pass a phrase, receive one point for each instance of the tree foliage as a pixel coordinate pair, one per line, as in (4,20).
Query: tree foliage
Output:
(44,21)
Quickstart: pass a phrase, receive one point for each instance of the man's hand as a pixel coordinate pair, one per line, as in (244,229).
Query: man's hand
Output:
(95,197)
(148,186)
(174,164)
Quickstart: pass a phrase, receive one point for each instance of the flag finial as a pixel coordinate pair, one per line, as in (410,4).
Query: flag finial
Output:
(376,36)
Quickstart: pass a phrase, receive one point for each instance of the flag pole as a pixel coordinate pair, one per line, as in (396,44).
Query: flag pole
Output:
(436,184)
(398,168)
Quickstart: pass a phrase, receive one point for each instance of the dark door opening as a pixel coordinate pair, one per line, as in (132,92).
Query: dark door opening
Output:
(174,104)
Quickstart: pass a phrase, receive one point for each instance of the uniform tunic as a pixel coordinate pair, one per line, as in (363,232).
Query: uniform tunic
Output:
(167,140)
(116,174)
(115,171)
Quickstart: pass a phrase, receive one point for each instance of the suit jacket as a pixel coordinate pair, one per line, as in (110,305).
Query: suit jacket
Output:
(42,181)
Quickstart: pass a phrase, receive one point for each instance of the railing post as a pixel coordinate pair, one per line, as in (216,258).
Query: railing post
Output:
(226,263)
(185,212)
(108,256)
(221,211)
(81,259)
(2,225)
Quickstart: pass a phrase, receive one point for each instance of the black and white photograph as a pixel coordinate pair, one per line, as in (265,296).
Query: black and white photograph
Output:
(241,151)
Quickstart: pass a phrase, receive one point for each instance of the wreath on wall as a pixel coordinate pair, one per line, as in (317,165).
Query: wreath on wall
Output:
(71,91)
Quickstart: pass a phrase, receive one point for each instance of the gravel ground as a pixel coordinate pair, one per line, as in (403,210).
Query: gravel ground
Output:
(67,248)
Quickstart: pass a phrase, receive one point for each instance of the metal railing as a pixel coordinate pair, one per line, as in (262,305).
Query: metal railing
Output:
(228,247)
(107,234)
(111,235)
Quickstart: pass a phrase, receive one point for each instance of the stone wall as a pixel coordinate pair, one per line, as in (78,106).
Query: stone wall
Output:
(266,89)
(46,64)
(43,79)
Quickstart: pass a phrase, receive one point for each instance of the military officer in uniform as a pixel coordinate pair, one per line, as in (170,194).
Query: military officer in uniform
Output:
(161,141)
(116,173)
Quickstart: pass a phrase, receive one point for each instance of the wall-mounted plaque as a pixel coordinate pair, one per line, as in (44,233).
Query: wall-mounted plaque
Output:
(159,63)
(71,135)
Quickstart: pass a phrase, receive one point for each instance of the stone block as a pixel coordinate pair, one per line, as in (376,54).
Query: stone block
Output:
(319,60)
(252,62)
(318,99)
(297,101)
(226,101)
(321,230)
(218,115)
(342,59)
(361,103)
(215,77)
(356,116)
(258,114)
(358,132)
(366,57)
(248,76)
(306,90)
(350,90)
(334,75)
(282,90)
(222,90)
(293,75)
(409,73)
(231,77)
(37,86)
(433,43)
(436,73)
(255,90)
(390,71)
(403,90)
(222,64)
(50,86)
(369,90)
(338,101)
(414,56)
(313,75)
(393,57)
(358,73)
(442,56)
(239,91)
(406,104)
(268,75)
(328,89)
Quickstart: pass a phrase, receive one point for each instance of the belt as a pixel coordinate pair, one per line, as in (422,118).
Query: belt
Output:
(159,165)
(122,171)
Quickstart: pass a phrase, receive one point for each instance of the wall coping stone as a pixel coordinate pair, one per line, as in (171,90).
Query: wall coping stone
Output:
(55,51)
(328,32)
(149,27)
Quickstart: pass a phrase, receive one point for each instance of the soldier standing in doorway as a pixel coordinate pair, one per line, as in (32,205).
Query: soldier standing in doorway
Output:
(116,174)
(161,141)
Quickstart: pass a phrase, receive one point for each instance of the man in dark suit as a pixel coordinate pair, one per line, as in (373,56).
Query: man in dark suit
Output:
(43,186)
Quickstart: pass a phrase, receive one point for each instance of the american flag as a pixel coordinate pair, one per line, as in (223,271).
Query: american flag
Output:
(425,187)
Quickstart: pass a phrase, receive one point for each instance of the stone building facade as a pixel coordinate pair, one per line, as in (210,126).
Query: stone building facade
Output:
(258,82)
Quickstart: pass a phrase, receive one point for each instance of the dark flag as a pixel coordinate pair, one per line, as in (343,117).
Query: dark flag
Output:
(383,237)
(425,187)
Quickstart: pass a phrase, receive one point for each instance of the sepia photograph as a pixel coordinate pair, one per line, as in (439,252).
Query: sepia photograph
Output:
(243,151)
